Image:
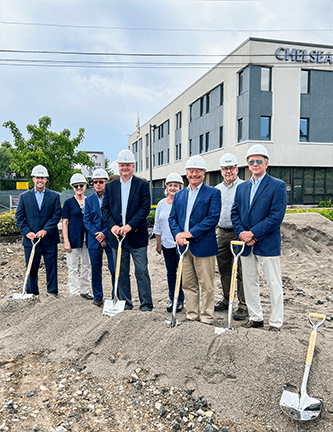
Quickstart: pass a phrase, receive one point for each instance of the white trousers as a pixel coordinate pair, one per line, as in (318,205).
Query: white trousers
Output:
(272,272)
(73,259)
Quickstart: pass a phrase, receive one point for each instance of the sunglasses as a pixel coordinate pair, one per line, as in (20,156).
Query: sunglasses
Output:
(79,186)
(257,161)
(99,182)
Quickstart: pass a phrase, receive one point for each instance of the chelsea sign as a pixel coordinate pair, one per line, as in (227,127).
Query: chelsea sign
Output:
(303,56)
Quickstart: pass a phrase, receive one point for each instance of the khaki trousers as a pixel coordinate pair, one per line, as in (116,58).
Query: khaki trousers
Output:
(198,281)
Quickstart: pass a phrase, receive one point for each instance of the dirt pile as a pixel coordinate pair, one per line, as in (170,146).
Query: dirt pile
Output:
(143,374)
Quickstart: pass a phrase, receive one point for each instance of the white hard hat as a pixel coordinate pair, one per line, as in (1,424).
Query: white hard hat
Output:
(196,162)
(100,173)
(39,171)
(174,177)
(257,149)
(77,178)
(228,160)
(125,156)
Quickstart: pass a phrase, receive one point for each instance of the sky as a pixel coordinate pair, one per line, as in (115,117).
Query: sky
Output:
(104,86)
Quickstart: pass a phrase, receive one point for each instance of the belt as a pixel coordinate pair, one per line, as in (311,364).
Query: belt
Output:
(227,229)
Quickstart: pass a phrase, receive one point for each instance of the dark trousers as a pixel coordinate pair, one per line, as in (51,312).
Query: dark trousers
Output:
(96,261)
(171,259)
(140,260)
(50,254)
(225,260)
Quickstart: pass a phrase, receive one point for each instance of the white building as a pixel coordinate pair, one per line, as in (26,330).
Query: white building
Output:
(272,92)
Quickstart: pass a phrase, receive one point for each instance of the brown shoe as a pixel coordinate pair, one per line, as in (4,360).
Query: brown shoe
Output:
(98,303)
(254,324)
(275,329)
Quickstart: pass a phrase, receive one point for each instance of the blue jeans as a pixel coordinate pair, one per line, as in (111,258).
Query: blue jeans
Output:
(96,261)
(171,259)
(140,260)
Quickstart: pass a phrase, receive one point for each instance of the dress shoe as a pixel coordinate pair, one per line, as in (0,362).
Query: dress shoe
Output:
(179,307)
(98,303)
(87,296)
(220,306)
(254,324)
(240,314)
(169,307)
(275,329)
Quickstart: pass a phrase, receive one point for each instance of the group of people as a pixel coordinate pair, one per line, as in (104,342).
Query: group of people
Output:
(208,218)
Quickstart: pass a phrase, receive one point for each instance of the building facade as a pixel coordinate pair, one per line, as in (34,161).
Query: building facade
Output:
(271,92)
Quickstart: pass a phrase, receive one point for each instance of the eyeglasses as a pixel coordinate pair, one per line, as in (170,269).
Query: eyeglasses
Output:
(229,168)
(257,161)
(99,181)
(79,186)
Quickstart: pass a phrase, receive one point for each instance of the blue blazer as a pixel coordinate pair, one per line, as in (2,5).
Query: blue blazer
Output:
(263,217)
(93,221)
(138,209)
(203,220)
(30,219)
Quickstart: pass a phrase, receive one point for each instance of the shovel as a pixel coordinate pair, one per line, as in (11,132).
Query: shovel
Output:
(115,306)
(302,406)
(24,294)
(232,283)
(173,321)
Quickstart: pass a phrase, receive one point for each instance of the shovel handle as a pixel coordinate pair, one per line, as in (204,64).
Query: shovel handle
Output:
(311,347)
(315,315)
(237,243)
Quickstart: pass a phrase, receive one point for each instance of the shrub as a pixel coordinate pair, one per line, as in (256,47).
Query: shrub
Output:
(8,224)
(325,204)
(151,219)
(328,213)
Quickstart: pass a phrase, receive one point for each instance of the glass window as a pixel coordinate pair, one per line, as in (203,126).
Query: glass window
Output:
(147,162)
(190,147)
(180,151)
(304,129)
(265,128)
(240,130)
(319,180)
(221,94)
(308,180)
(201,144)
(304,81)
(207,102)
(147,140)
(178,120)
(240,82)
(265,79)
(207,142)
(221,137)
(201,106)
(329,181)
(191,113)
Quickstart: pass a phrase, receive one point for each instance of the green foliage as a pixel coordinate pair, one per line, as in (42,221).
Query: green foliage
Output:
(328,213)
(57,152)
(5,161)
(325,204)
(8,224)
(151,218)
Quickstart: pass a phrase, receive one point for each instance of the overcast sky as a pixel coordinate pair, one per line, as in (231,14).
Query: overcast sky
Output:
(105,100)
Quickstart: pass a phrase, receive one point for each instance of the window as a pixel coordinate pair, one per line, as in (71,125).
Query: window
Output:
(162,158)
(168,156)
(190,147)
(265,79)
(191,113)
(221,94)
(304,81)
(140,143)
(147,162)
(147,140)
(207,142)
(201,144)
(304,129)
(265,128)
(178,120)
(240,82)
(207,103)
(154,161)
(160,131)
(240,130)
(140,164)
(221,137)
(178,151)
(201,106)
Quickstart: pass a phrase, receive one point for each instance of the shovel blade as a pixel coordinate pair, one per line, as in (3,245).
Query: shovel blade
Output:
(112,308)
(173,324)
(22,296)
(307,409)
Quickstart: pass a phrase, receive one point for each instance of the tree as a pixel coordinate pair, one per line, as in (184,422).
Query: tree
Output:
(57,152)
(5,162)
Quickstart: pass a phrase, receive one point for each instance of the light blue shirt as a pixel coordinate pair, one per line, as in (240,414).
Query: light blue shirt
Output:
(125,191)
(228,196)
(39,197)
(255,186)
(100,200)
(192,196)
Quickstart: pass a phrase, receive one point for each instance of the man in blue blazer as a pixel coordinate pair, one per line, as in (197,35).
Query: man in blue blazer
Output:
(194,215)
(257,213)
(97,239)
(37,215)
(126,206)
